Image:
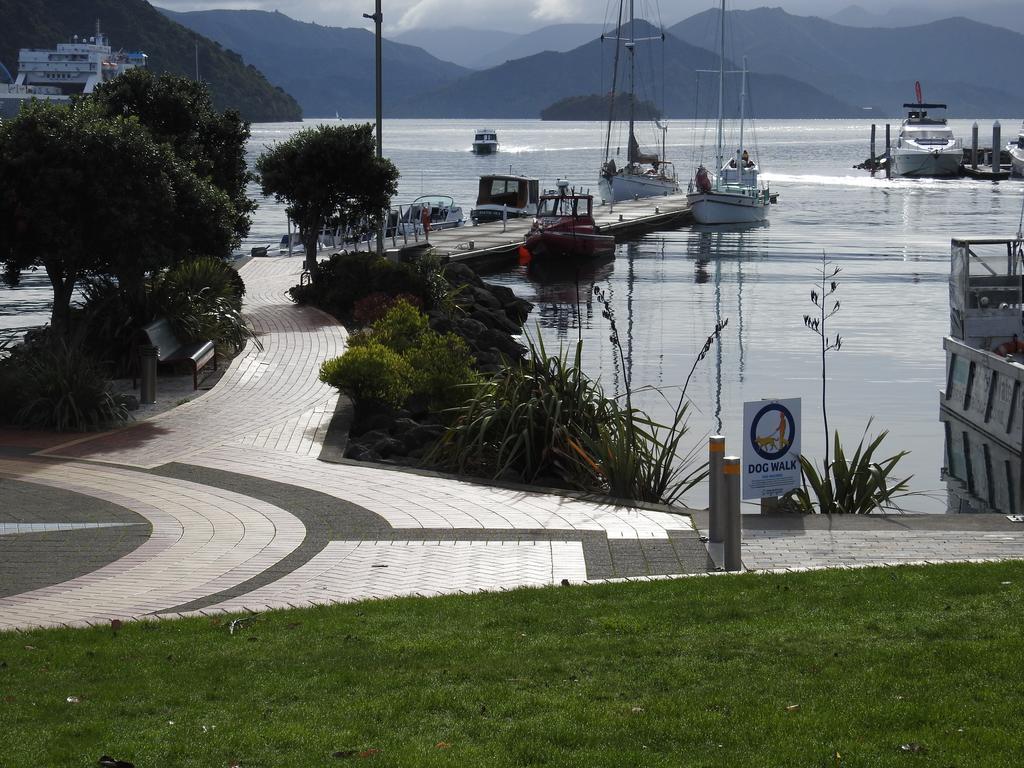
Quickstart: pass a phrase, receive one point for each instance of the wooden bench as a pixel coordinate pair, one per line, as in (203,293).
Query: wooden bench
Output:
(170,350)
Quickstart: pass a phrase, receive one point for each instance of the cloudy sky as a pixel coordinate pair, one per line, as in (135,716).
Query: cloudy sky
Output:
(511,15)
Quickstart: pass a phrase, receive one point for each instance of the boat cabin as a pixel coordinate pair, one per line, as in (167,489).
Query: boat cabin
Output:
(566,206)
(485,141)
(508,196)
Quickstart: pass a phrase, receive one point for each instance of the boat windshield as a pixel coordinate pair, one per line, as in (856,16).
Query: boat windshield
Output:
(564,206)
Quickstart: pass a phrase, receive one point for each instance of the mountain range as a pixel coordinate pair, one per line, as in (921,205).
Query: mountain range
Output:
(1006,13)
(136,25)
(973,67)
(329,70)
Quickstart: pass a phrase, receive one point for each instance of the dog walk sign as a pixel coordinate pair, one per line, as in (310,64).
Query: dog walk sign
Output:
(771,447)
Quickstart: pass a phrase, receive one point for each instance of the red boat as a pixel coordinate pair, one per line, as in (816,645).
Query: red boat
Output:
(564,229)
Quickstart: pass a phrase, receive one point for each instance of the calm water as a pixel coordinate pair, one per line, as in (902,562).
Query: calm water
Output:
(891,239)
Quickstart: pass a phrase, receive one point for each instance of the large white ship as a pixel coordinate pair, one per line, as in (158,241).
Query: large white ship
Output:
(57,74)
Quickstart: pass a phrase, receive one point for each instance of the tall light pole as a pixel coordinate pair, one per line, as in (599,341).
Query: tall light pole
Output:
(378,20)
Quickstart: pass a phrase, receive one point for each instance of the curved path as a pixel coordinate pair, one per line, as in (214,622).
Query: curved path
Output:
(234,510)
(244,515)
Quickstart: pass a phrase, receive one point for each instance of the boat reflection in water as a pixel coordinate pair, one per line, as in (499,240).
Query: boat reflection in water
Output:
(981,474)
(565,291)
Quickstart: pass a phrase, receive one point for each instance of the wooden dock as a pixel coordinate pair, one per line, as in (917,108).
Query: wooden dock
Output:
(496,244)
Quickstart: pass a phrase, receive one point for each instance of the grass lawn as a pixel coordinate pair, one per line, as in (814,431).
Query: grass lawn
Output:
(915,666)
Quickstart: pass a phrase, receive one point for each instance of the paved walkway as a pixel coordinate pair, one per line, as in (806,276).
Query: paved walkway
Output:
(222,504)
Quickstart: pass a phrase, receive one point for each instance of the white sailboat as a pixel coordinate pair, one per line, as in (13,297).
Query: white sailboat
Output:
(1017,153)
(645,174)
(733,194)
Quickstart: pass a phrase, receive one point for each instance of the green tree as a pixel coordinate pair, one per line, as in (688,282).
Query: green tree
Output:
(84,194)
(179,111)
(328,173)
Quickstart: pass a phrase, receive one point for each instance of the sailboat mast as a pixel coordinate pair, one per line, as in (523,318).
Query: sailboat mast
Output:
(743,100)
(721,93)
(631,45)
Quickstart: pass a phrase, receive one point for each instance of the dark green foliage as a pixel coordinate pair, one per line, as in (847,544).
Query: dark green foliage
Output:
(372,308)
(203,301)
(59,386)
(546,420)
(328,174)
(135,25)
(411,359)
(339,282)
(527,420)
(442,369)
(858,486)
(370,373)
(86,195)
(179,111)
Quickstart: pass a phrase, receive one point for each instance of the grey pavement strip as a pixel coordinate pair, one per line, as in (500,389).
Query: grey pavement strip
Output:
(329,519)
(13,529)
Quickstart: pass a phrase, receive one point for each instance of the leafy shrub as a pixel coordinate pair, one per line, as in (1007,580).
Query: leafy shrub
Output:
(372,308)
(339,282)
(371,373)
(857,486)
(547,419)
(526,421)
(63,388)
(401,327)
(441,366)
(202,299)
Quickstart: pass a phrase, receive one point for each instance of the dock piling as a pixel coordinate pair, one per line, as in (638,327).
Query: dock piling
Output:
(872,160)
(716,525)
(996,147)
(974,146)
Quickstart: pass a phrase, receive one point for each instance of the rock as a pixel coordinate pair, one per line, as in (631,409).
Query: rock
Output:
(372,436)
(468,328)
(519,310)
(418,405)
(418,453)
(402,425)
(459,274)
(374,422)
(388,446)
(440,322)
(484,298)
(502,293)
(495,319)
(501,342)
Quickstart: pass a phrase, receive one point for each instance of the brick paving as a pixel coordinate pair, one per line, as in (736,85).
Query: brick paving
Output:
(221,504)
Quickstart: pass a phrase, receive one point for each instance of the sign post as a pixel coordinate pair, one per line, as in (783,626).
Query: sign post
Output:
(771,447)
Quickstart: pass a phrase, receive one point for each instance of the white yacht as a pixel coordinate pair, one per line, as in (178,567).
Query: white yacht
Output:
(733,195)
(57,74)
(1017,154)
(485,141)
(925,146)
(645,174)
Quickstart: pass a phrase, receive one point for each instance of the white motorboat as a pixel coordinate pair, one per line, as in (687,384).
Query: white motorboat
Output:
(646,173)
(925,146)
(502,197)
(440,211)
(1016,149)
(734,195)
(485,141)
(70,69)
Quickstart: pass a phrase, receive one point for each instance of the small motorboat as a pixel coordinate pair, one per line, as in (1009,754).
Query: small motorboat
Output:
(565,229)
(439,210)
(505,197)
(485,141)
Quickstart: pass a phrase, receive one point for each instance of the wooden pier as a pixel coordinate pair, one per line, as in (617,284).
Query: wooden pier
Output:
(496,244)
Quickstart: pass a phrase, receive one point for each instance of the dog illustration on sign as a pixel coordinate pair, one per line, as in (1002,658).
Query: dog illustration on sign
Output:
(775,440)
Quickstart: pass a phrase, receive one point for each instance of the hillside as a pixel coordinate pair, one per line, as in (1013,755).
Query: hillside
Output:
(329,70)
(524,87)
(877,67)
(460,45)
(556,37)
(136,25)
(1006,13)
